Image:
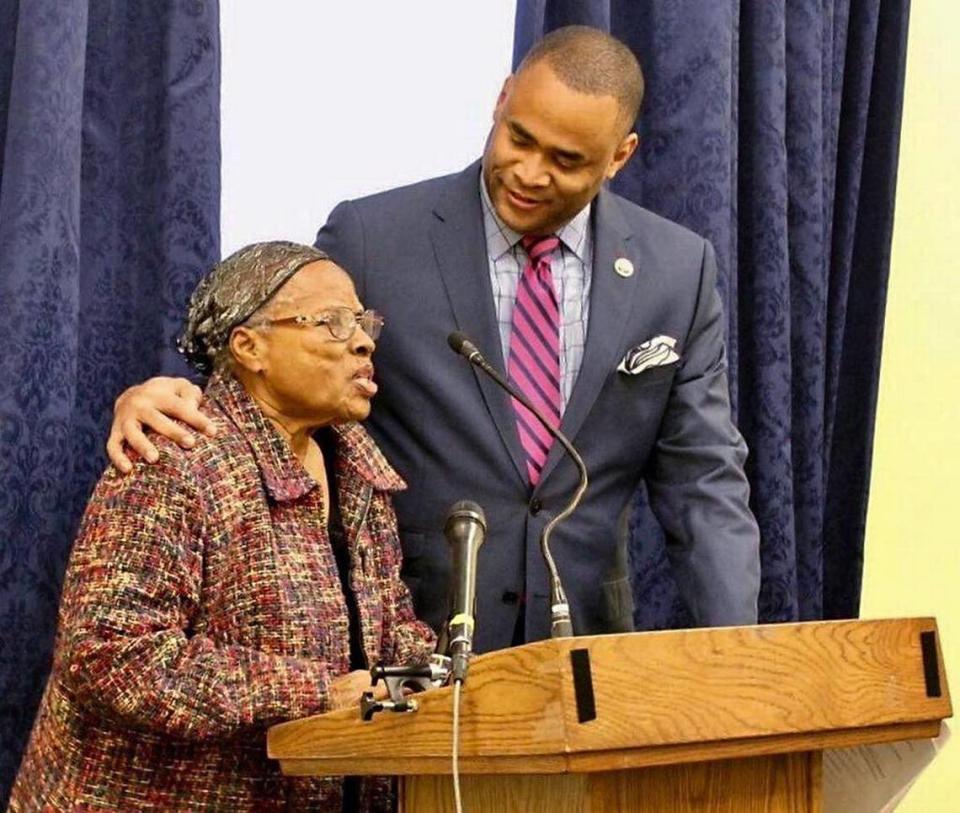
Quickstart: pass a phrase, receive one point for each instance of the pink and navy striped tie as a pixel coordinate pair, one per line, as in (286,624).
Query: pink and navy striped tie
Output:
(534,363)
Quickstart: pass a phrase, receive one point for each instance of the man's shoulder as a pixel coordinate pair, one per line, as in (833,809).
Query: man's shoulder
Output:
(425,192)
(648,223)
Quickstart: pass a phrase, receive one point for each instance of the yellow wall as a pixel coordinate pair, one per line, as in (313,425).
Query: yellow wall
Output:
(913,523)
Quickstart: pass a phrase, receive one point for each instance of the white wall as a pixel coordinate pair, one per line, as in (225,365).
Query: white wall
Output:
(323,101)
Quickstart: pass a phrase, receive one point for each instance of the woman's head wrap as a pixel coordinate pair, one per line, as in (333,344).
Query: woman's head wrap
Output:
(233,291)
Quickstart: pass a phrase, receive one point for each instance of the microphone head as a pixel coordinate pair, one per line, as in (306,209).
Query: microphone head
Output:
(460,344)
(466,509)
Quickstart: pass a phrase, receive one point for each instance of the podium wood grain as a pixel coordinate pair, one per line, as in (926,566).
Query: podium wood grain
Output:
(784,783)
(661,698)
(723,720)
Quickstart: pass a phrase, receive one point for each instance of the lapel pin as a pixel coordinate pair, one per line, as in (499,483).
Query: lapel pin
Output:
(623,267)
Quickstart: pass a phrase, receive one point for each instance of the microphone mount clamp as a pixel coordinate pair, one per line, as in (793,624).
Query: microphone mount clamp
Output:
(401,682)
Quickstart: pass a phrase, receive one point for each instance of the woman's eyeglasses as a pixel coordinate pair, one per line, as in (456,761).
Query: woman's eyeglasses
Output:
(341,322)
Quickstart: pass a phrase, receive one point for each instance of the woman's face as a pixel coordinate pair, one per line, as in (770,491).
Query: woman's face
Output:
(306,374)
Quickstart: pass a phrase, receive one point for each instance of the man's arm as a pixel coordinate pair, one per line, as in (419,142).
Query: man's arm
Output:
(696,481)
(342,237)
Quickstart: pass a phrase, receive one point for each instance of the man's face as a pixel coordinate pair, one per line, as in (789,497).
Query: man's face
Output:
(550,150)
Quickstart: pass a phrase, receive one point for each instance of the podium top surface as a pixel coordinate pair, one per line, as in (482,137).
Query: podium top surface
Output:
(593,703)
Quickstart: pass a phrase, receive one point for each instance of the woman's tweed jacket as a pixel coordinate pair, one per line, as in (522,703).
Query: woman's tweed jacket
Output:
(202,603)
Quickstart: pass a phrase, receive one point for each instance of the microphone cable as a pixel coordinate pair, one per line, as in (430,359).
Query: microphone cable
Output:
(465,529)
(457,800)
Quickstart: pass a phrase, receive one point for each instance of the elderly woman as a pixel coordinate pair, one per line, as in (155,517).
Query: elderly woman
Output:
(241,583)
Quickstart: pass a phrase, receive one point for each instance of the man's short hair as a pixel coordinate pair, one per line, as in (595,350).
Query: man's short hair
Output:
(591,61)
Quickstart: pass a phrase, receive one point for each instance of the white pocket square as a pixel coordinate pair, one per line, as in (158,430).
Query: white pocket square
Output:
(655,352)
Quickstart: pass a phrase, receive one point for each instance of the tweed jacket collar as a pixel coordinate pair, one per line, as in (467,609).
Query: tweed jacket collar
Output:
(284,477)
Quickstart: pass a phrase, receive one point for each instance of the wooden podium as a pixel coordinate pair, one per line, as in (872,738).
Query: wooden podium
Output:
(731,719)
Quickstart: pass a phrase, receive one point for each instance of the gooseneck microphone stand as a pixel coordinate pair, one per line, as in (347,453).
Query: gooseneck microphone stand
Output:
(561,625)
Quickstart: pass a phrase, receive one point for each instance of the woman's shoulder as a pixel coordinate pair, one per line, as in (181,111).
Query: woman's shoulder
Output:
(224,451)
(208,458)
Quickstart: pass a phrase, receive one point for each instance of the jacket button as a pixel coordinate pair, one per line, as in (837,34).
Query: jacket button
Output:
(510,597)
(535,506)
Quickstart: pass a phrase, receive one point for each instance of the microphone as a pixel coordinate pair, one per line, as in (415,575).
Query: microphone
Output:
(561,624)
(465,529)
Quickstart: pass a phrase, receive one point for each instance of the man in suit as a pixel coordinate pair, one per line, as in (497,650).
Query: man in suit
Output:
(604,313)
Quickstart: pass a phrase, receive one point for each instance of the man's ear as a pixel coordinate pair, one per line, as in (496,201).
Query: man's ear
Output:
(248,348)
(625,149)
(504,91)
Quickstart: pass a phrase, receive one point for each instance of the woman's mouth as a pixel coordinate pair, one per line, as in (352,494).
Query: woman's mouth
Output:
(363,379)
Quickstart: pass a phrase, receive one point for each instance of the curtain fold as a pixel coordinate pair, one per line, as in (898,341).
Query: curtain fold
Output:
(772,129)
(109,213)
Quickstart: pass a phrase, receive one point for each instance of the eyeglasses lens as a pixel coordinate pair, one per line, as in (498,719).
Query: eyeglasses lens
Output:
(342,323)
(372,323)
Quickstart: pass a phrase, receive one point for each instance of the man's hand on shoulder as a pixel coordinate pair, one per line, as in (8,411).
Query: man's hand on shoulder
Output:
(154,405)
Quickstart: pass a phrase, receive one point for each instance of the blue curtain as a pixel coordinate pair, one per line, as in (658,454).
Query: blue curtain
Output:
(109,212)
(772,129)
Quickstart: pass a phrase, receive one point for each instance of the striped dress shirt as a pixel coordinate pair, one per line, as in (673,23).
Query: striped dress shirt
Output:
(571,267)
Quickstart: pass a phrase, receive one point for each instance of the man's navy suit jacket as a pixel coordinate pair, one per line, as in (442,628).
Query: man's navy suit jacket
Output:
(418,255)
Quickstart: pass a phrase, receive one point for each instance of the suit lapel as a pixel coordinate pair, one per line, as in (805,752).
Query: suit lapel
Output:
(460,248)
(611,303)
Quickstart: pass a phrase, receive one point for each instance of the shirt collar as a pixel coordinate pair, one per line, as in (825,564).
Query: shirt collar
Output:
(283,474)
(501,238)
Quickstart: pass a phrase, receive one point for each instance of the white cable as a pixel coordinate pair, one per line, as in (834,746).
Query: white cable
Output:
(456,747)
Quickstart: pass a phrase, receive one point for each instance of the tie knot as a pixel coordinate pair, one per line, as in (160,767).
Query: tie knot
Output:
(539,247)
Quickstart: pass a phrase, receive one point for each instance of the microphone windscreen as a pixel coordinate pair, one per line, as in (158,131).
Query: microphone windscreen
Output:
(466,509)
(457,340)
